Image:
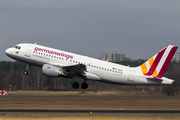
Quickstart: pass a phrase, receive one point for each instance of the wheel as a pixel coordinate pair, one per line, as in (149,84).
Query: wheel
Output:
(84,85)
(25,72)
(75,85)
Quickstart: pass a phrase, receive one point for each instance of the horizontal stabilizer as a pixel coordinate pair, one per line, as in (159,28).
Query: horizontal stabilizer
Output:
(155,79)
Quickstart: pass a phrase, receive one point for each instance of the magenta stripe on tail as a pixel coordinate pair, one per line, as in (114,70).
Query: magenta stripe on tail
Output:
(167,62)
(156,62)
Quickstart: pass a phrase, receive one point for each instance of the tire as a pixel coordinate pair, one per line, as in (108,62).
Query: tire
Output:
(84,85)
(75,85)
(25,72)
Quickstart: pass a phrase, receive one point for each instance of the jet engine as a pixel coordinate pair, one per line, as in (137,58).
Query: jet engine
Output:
(52,71)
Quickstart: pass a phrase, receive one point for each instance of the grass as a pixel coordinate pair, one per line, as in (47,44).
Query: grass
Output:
(89,100)
(89,117)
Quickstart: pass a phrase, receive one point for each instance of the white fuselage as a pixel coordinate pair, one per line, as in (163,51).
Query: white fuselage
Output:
(106,71)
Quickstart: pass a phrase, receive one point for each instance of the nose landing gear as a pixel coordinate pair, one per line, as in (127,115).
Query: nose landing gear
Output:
(25,72)
(27,68)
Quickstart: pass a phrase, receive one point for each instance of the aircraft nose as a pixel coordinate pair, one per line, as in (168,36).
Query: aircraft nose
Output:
(8,51)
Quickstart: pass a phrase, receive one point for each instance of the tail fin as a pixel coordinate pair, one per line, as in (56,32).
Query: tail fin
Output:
(158,64)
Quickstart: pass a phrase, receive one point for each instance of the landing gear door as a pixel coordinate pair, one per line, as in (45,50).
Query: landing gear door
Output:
(28,51)
(131,76)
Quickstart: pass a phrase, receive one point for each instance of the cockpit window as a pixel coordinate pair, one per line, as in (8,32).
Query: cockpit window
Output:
(18,47)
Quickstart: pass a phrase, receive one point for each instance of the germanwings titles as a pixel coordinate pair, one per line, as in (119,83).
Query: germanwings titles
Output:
(53,52)
(58,63)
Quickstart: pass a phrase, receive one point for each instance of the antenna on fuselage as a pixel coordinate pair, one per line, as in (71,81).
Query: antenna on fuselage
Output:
(35,43)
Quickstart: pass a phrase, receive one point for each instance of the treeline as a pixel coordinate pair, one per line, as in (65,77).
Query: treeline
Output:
(11,73)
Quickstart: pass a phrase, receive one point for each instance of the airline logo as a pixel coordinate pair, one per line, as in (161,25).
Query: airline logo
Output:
(158,64)
(16,52)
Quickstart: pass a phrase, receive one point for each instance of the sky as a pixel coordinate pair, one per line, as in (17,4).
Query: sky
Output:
(136,28)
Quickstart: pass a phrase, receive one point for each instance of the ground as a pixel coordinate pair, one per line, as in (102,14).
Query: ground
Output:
(106,100)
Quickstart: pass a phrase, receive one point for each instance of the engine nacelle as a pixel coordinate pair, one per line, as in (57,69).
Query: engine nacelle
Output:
(52,71)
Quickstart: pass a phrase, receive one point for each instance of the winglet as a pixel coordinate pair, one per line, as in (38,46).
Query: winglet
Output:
(158,64)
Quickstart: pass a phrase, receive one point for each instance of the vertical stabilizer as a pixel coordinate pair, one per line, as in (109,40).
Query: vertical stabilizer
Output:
(157,65)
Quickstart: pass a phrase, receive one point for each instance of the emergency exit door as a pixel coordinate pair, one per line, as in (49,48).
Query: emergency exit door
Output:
(131,75)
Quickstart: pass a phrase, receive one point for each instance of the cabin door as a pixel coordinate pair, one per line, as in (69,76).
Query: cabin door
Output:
(28,51)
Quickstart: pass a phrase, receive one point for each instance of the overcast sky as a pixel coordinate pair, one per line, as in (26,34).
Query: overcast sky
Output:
(136,28)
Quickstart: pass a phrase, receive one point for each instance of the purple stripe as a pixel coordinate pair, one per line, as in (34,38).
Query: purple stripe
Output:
(156,62)
(167,62)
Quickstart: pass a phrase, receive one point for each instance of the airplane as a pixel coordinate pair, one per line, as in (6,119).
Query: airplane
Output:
(58,63)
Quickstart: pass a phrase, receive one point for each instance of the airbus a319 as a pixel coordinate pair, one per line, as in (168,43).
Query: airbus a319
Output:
(58,63)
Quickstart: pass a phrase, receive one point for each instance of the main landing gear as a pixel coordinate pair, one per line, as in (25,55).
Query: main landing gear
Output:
(27,68)
(84,85)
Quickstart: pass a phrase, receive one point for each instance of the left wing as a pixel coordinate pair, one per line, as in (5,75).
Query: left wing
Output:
(74,68)
(55,70)
(77,68)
